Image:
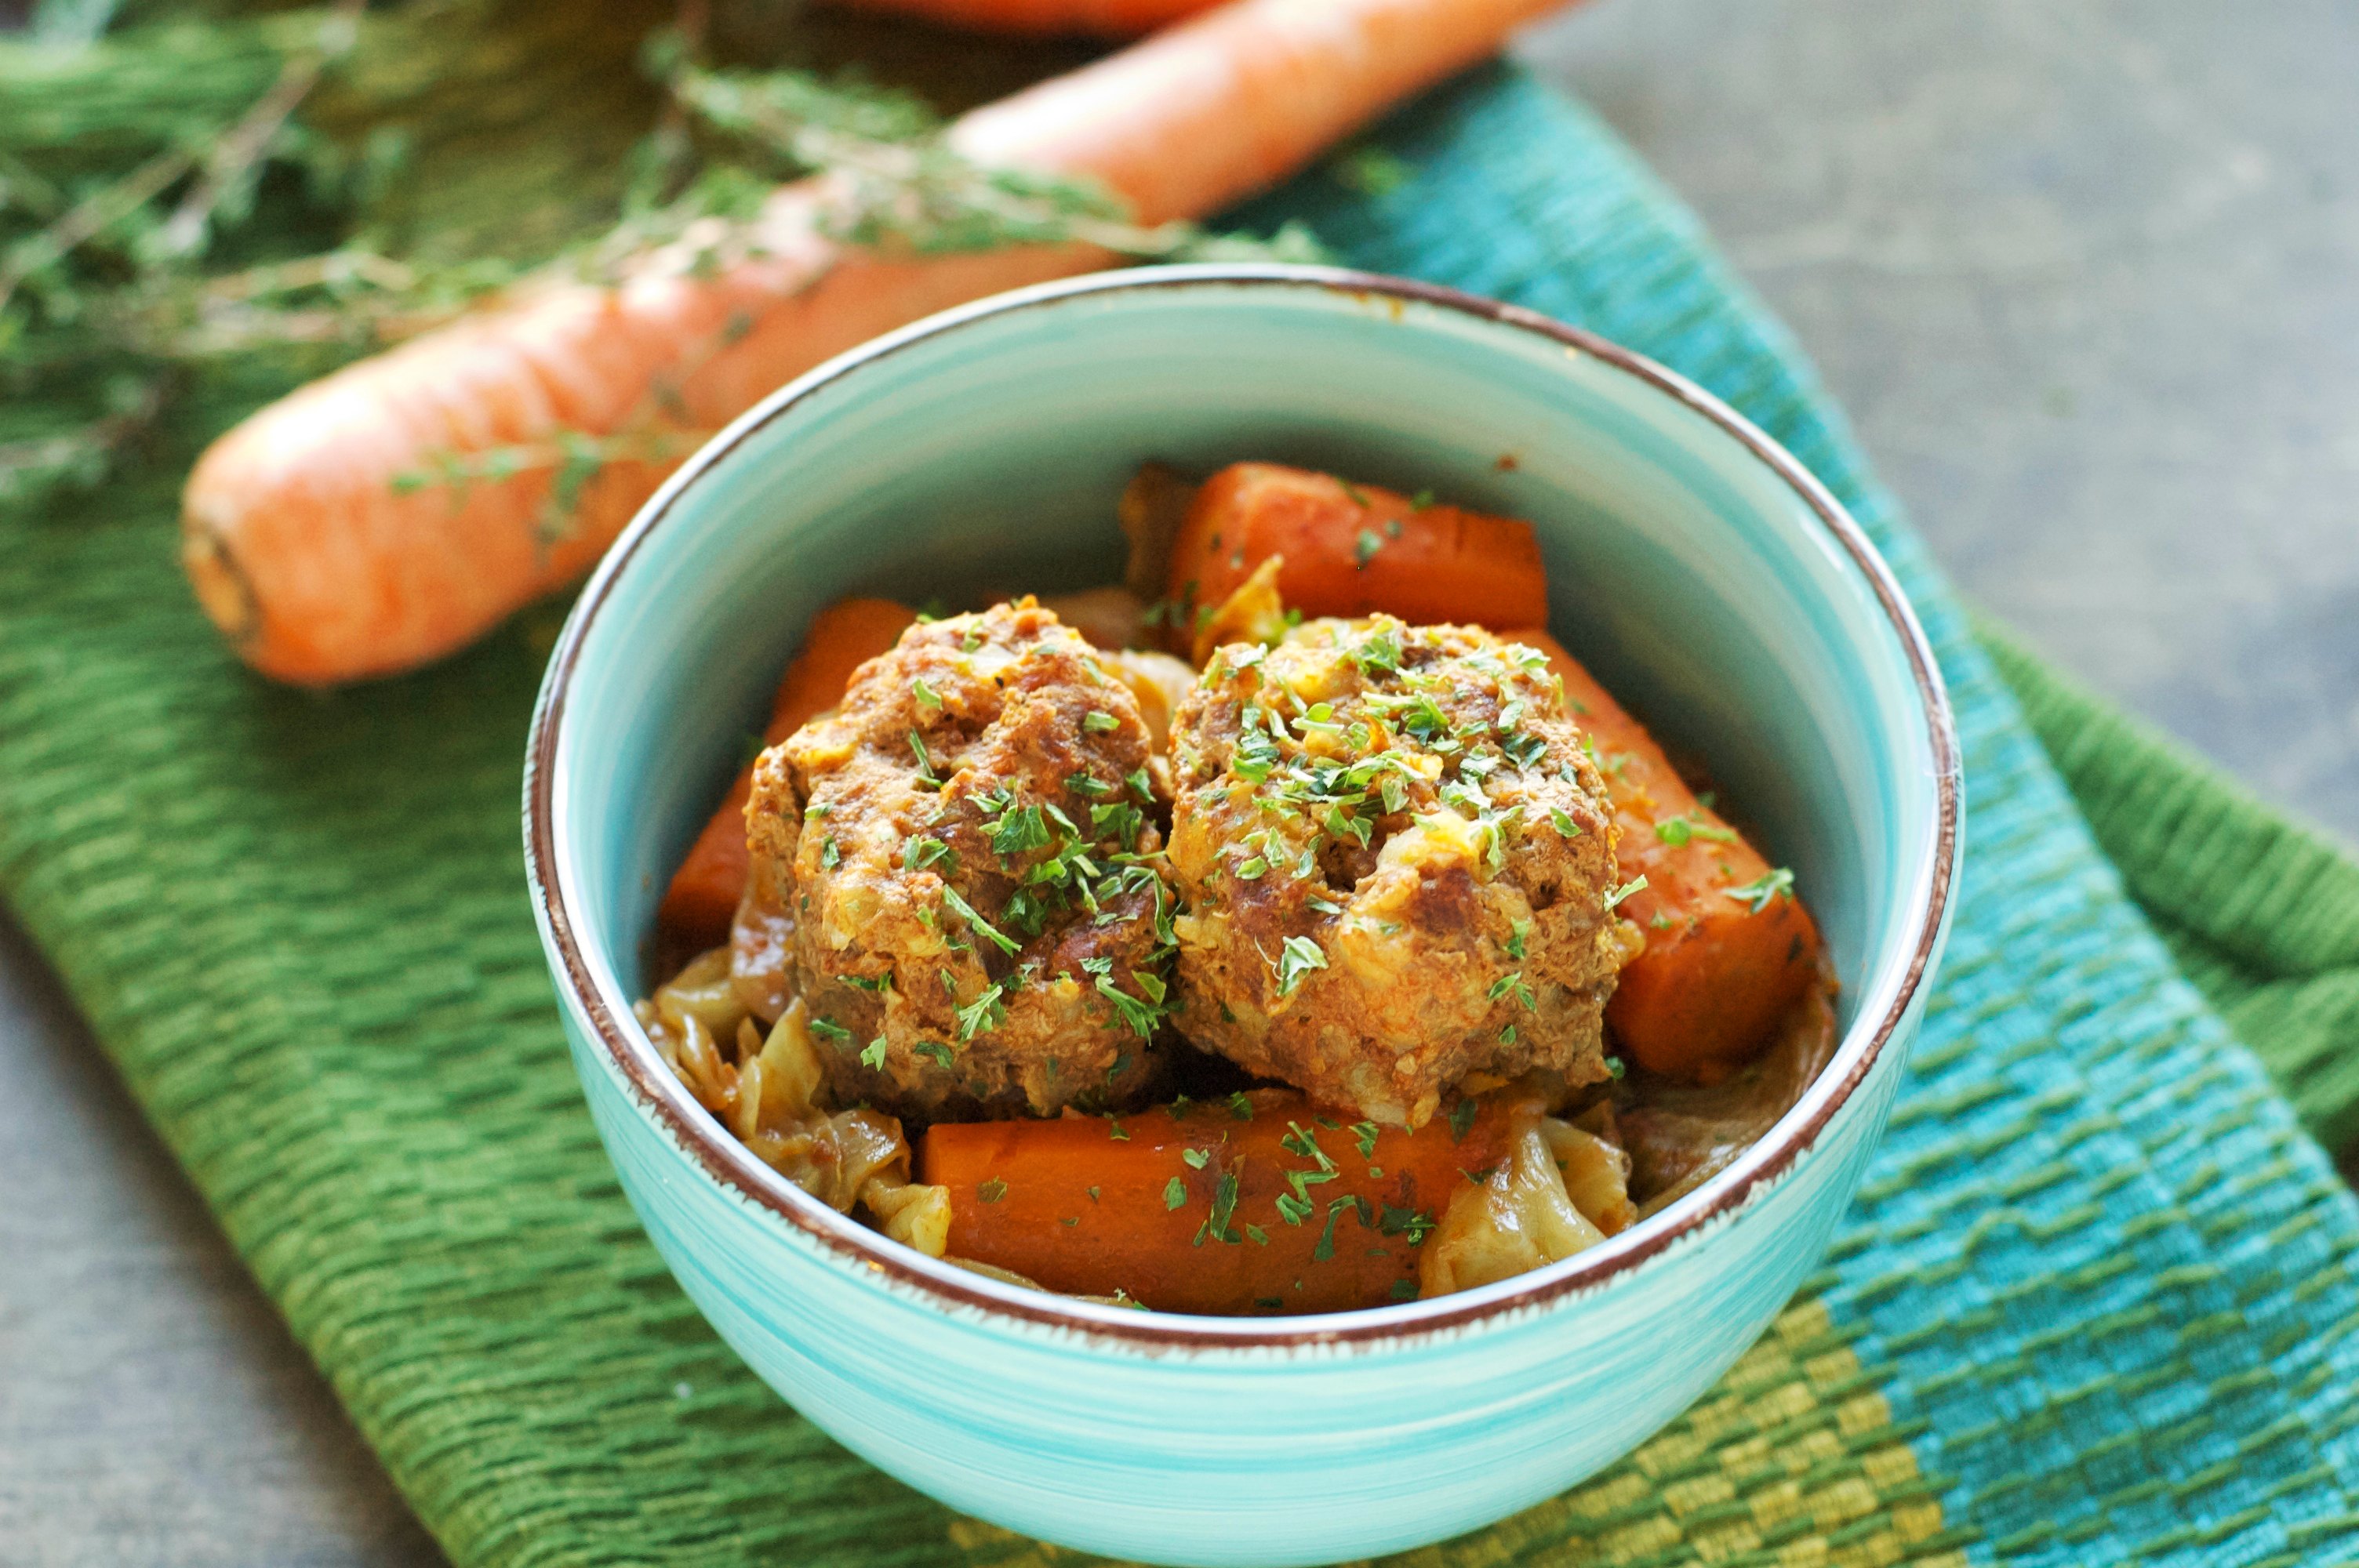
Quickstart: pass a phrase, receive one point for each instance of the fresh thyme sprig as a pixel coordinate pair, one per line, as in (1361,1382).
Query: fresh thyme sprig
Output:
(146,213)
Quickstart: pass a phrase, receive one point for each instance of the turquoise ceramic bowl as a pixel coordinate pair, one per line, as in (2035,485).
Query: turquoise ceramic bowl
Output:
(1703,575)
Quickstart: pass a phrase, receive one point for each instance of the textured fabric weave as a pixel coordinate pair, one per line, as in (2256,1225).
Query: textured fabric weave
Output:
(2095,1304)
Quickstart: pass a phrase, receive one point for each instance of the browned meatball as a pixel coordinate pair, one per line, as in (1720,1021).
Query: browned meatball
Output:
(965,846)
(1397,858)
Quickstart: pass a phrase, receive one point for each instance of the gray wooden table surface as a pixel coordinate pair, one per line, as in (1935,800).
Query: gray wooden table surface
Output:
(2087,279)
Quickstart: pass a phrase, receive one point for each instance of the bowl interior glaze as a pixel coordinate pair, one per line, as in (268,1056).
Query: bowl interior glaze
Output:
(1708,582)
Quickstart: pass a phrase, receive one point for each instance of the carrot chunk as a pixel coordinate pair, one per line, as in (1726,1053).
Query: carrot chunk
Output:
(1261,1203)
(1349,548)
(1729,948)
(702,898)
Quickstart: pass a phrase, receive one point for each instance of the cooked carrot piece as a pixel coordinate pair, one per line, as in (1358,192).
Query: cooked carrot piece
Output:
(1261,1203)
(1353,548)
(1729,948)
(698,905)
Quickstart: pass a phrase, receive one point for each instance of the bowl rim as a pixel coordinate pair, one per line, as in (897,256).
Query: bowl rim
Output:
(960,1291)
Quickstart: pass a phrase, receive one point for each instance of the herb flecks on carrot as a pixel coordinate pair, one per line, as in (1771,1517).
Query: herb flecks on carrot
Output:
(303,547)
(1259,1203)
(698,905)
(1729,949)
(1352,548)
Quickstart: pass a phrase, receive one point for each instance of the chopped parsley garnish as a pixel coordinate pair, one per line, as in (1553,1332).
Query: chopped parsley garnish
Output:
(991,1191)
(926,774)
(1461,1118)
(1089,787)
(872,1055)
(1175,1193)
(1613,900)
(1364,548)
(1297,1141)
(816,810)
(1137,780)
(1343,824)
(1563,823)
(1298,956)
(829,1028)
(1677,830)
(982,927)
(1019,831)
(1120,821)
(1336,1208)
(1513,983)
(830,856)
(1365,1133)
(1224,1207)
(984,1014)
(1421,718)
(1404,1289)
(1414,1224)
(919,853)
(1240,1106)
(1757,893)
(1194,1158)
(1141,1015)
(1100,723)
(1420,501)
(1116,1132)
(927,696)
(1615,1066)
(937,1051)
(1517,932)
(1379,654)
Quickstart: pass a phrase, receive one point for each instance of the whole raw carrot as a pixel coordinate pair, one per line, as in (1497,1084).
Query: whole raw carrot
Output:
(704,891)
(1349,548)
(1730,949)
(1104,19)
(1261,1203)
(307,547)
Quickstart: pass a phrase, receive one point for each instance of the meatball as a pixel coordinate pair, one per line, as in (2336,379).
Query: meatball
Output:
(1396,856)
(967,851)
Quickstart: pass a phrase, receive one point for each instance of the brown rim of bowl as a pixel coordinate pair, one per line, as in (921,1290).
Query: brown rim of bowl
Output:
(948,1286)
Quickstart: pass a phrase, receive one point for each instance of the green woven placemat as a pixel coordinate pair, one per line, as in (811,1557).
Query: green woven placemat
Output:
(2095,1304)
